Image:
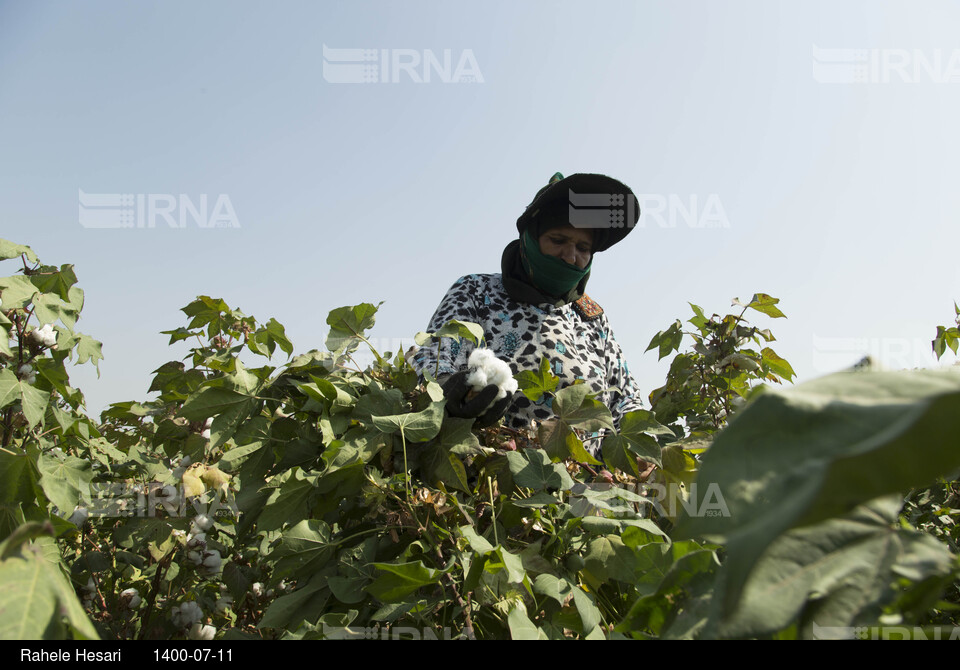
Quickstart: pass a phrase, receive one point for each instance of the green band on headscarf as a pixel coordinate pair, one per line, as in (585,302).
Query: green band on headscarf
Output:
(548,273)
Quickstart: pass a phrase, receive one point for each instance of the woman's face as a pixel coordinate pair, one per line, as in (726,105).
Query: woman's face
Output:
(569,244)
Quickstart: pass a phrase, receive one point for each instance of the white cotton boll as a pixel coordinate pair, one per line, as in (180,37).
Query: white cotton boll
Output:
(257,590)
(205,434)
(477,379)
(487,369)
(224,602)
(46,336)
(200,524)
(194,557)
(131,598)
(199,631)
(211,562)
(208,422)
(186,614)
(479,357)
(198,541)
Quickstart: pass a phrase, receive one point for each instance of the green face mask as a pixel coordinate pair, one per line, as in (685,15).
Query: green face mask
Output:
(548,273)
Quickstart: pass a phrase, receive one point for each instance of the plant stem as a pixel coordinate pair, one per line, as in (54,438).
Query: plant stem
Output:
(493,511)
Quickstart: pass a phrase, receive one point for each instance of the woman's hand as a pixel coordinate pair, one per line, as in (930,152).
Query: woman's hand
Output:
(462,404)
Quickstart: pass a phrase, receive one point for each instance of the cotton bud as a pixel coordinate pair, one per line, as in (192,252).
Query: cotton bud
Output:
(131,598)
(199,631)
(79,516)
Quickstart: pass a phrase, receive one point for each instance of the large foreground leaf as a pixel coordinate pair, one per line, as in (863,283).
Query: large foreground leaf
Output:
(843,567)
(798,456)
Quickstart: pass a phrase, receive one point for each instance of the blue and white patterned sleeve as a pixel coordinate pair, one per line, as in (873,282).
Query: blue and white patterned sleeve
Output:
(628,397)
(449,355)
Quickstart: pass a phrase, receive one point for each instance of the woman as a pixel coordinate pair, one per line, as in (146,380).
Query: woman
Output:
(536,307)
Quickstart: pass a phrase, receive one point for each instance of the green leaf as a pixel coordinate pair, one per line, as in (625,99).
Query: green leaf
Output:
(303,549)
(34,595)
(777,365)
(9,387)
(846,565)
(454,329)
(399,580)
(89,349)
(767,305)
(416,426)
(535,384)
(531,468)
(289,503)
(635,440)
(437,464)
(801,455)
(667,340)
(347,325)
(50,280)
(609,558)
(10,250)
(572,406)
(16,292)
(34,403)
(66,483)
(521,628)
(307,603)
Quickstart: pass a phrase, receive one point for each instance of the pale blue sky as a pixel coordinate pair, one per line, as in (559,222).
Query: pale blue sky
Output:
(841,198)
